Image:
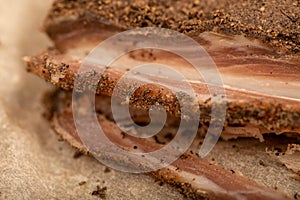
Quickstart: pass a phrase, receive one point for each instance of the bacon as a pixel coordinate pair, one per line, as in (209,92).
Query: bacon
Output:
(193,176)
(261,83)
(261,86)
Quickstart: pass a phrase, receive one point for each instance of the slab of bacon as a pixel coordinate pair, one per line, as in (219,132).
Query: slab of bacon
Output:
(261,85)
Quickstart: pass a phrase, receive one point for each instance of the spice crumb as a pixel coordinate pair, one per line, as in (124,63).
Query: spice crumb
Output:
(82,183)
(100,192)
(107,170)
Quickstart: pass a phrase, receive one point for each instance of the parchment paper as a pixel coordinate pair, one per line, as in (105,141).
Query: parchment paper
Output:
(34,164)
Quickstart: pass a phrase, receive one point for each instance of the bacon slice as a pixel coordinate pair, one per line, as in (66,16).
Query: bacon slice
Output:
(261,91)
(276,23)
(193,176)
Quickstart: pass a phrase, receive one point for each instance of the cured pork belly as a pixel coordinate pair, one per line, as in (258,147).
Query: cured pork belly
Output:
(261,76)
(261,85)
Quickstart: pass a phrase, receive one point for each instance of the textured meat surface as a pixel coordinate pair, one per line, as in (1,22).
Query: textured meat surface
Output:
(275,22)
